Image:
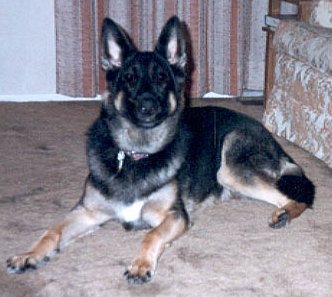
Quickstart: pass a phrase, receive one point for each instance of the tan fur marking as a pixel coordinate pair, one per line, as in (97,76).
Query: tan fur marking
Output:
(77,223)
(105,97)
(259,189)
(288,167)
(294,209)
(167,228)
(154,244)
(48,243)
(172,102)
(118,101)
(159,203)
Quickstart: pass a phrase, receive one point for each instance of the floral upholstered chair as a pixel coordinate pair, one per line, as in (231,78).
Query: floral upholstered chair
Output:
(299,106)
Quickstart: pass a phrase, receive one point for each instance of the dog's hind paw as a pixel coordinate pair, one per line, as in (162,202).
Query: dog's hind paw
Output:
(140,272)
(25,262)
(280,218)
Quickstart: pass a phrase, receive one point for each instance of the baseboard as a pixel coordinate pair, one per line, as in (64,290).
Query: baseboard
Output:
(252,93)
(217,96)
(245,93)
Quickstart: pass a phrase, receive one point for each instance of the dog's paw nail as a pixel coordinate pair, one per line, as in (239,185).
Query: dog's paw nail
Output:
(138,280)
(30,264)
(279,220)
(138,275)
(46,259)
(21,264)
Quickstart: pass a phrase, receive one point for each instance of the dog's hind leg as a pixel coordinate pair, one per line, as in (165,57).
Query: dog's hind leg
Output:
(294,184)
(80,221)
(282,184)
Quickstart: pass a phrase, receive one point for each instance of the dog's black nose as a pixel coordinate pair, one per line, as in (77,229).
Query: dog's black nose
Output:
(148,107)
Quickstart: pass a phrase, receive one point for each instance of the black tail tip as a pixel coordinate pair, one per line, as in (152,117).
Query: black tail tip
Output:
(298,188)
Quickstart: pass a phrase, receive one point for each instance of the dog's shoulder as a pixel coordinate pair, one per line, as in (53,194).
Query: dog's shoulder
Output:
(98,135)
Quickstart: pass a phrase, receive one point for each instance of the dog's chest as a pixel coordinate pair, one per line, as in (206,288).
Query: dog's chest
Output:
(129,213)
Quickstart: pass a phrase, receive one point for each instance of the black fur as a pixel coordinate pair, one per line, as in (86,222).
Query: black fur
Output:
(298,188)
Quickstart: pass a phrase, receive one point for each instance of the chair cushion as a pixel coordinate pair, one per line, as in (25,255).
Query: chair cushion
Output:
(309,44)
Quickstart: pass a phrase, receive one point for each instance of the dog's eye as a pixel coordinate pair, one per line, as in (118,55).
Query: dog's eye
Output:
(129,77)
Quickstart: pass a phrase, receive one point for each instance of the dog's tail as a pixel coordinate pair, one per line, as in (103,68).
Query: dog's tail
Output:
(295,185)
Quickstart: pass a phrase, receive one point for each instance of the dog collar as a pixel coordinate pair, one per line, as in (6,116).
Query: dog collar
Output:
(132,154)
(136,156)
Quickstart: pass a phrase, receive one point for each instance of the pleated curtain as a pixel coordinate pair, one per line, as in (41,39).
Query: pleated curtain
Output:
(220,32)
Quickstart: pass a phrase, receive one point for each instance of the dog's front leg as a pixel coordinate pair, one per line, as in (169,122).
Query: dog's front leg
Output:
(83,219)
(154,243)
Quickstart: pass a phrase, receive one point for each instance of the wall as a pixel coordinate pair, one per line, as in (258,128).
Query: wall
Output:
(27,51)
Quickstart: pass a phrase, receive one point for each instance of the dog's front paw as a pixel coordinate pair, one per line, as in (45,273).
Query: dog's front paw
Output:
(23,263)
(140,272)
(280,219)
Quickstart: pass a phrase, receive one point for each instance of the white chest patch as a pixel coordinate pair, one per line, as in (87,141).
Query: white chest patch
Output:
(129,213)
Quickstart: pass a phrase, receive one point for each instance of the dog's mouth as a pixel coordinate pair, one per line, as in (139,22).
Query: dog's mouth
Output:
(148,111)
(148,123)
(148,120)
(148,117)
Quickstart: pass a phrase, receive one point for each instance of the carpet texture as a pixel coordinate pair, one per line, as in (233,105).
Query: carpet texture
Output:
(229,251)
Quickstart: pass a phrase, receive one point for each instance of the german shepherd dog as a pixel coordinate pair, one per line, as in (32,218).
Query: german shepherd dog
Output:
(149,156)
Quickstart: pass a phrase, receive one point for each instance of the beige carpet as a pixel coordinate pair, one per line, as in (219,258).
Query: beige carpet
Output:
(230,250)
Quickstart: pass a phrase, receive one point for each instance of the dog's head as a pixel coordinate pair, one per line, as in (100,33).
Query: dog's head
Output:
(144,87)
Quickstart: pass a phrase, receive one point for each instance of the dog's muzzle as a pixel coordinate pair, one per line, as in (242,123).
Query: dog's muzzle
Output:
(148,110)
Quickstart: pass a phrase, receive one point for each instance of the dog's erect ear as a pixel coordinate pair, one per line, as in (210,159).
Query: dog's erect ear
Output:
(115,45)
(171,43)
